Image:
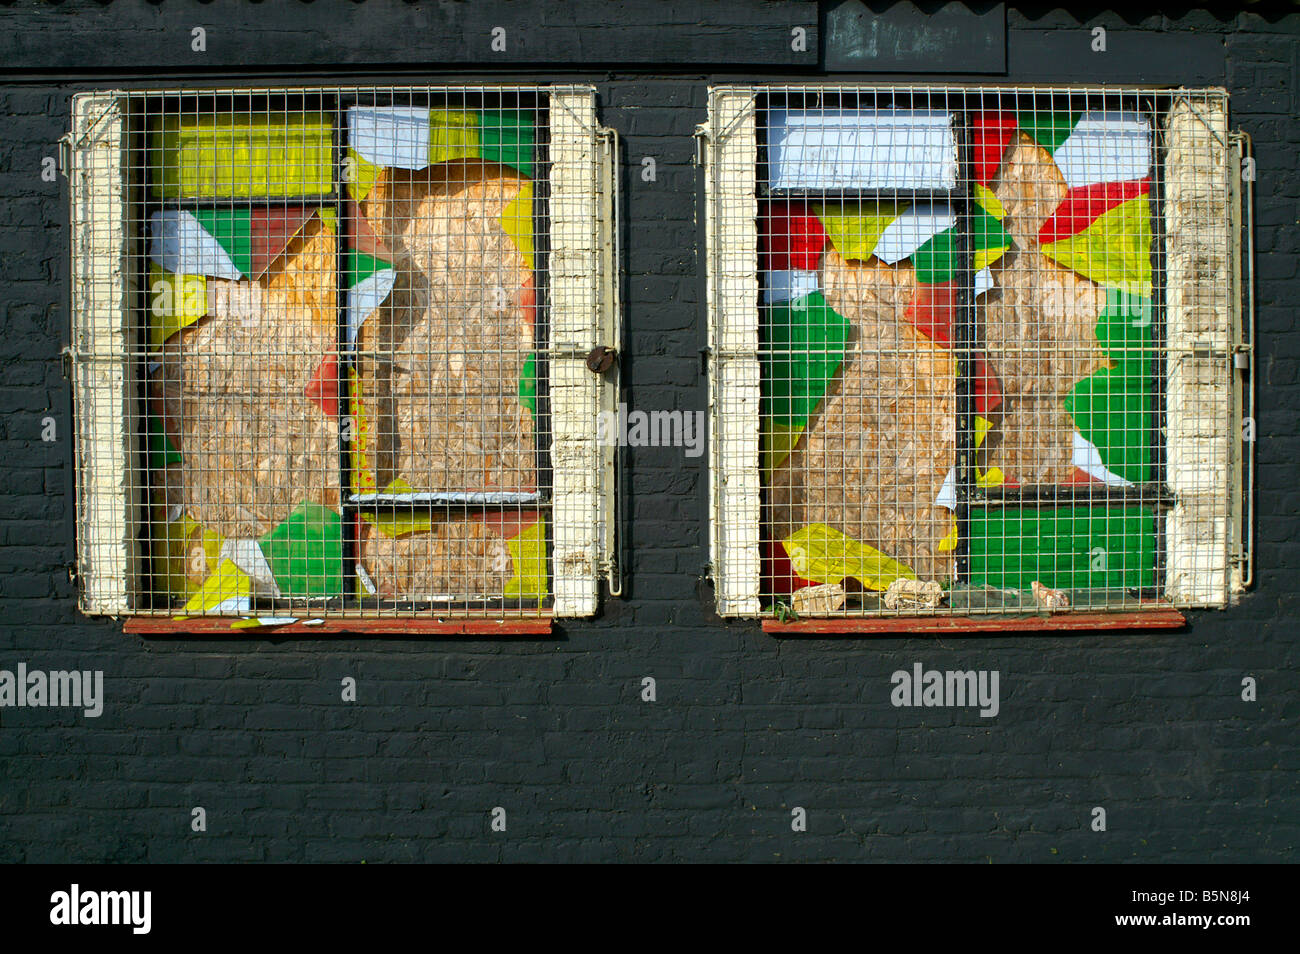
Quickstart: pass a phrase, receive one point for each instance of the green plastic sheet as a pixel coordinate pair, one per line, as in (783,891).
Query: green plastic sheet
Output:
(508,136)
(1049,130)
(305,552)
(528,384)
(232,228)
(1112,407)
(161,450)
(1068,548)
(805,341)
(936,260)
(362,265)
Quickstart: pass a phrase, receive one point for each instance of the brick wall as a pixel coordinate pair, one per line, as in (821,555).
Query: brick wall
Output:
(1148,725)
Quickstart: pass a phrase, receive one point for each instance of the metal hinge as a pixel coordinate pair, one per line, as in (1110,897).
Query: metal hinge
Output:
(703,136)
(65,154)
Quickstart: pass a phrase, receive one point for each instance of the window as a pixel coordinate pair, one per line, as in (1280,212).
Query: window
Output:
(329,350)
(977,356)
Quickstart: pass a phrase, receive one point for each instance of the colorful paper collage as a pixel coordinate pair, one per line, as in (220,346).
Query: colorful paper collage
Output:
(1100,231)
(207,161)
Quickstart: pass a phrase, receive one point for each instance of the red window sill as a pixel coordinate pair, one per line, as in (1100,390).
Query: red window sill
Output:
(221,626)
(1162,618)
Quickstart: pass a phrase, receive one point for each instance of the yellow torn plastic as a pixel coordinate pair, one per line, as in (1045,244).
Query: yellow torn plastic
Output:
(824,555)
(453,134)
(528,551)
(397,524)
(363,478)
(989,202)
(985,257)
(856,227)
(176,561)
(360,174)
(517,220)
(982,427)
(175,302)
(228,583)
(778,441)
(949,543)
(1114,250)
(993,477)
(233,155)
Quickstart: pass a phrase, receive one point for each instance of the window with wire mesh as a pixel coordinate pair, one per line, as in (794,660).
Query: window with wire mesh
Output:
(341,332)
(961,350)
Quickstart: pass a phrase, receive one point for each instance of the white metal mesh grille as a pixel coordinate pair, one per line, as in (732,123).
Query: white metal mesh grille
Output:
(974,309)
(338,325)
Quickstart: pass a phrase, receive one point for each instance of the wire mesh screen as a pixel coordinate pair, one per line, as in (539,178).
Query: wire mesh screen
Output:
(341,334)
(962,349)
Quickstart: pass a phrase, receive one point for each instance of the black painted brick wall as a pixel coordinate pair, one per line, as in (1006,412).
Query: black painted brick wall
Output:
(1148,725)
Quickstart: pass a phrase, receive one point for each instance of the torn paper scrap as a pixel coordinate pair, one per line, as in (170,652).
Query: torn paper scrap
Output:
(912,229)
(856,149)
(790,283)
(367,295)
(818,600)
(393,136)
(1087,457)
(179,243)
(914,594)
(1105,147)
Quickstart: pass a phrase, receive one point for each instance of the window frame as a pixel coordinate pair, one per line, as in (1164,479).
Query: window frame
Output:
(733,158)
(579,311)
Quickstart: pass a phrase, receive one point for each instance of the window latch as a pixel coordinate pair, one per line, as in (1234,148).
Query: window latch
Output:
(601,358)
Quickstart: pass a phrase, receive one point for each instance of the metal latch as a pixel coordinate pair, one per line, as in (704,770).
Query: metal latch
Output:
(601,358)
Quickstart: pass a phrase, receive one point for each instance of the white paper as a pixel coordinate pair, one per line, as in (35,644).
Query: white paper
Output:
(235,605)
(365,296)
(948,492)
(983,281)
(920,223)
(788,284)
(392,136)
(475,498)
(180,244)
(366,582)
(1087,457)
(861,149)
(1105,147)
(248,556)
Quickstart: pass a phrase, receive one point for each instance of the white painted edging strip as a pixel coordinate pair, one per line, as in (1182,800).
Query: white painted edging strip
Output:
(732,232)
(103,374)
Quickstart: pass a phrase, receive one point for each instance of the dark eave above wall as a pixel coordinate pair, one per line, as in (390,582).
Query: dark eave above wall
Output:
(83,35)
(734,40)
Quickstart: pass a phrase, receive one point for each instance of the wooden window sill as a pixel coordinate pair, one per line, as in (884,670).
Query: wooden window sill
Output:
(1166,617)
(223,626)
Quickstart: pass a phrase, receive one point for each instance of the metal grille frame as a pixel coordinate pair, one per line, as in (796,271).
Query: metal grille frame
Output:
(568,233)
(1198,352)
